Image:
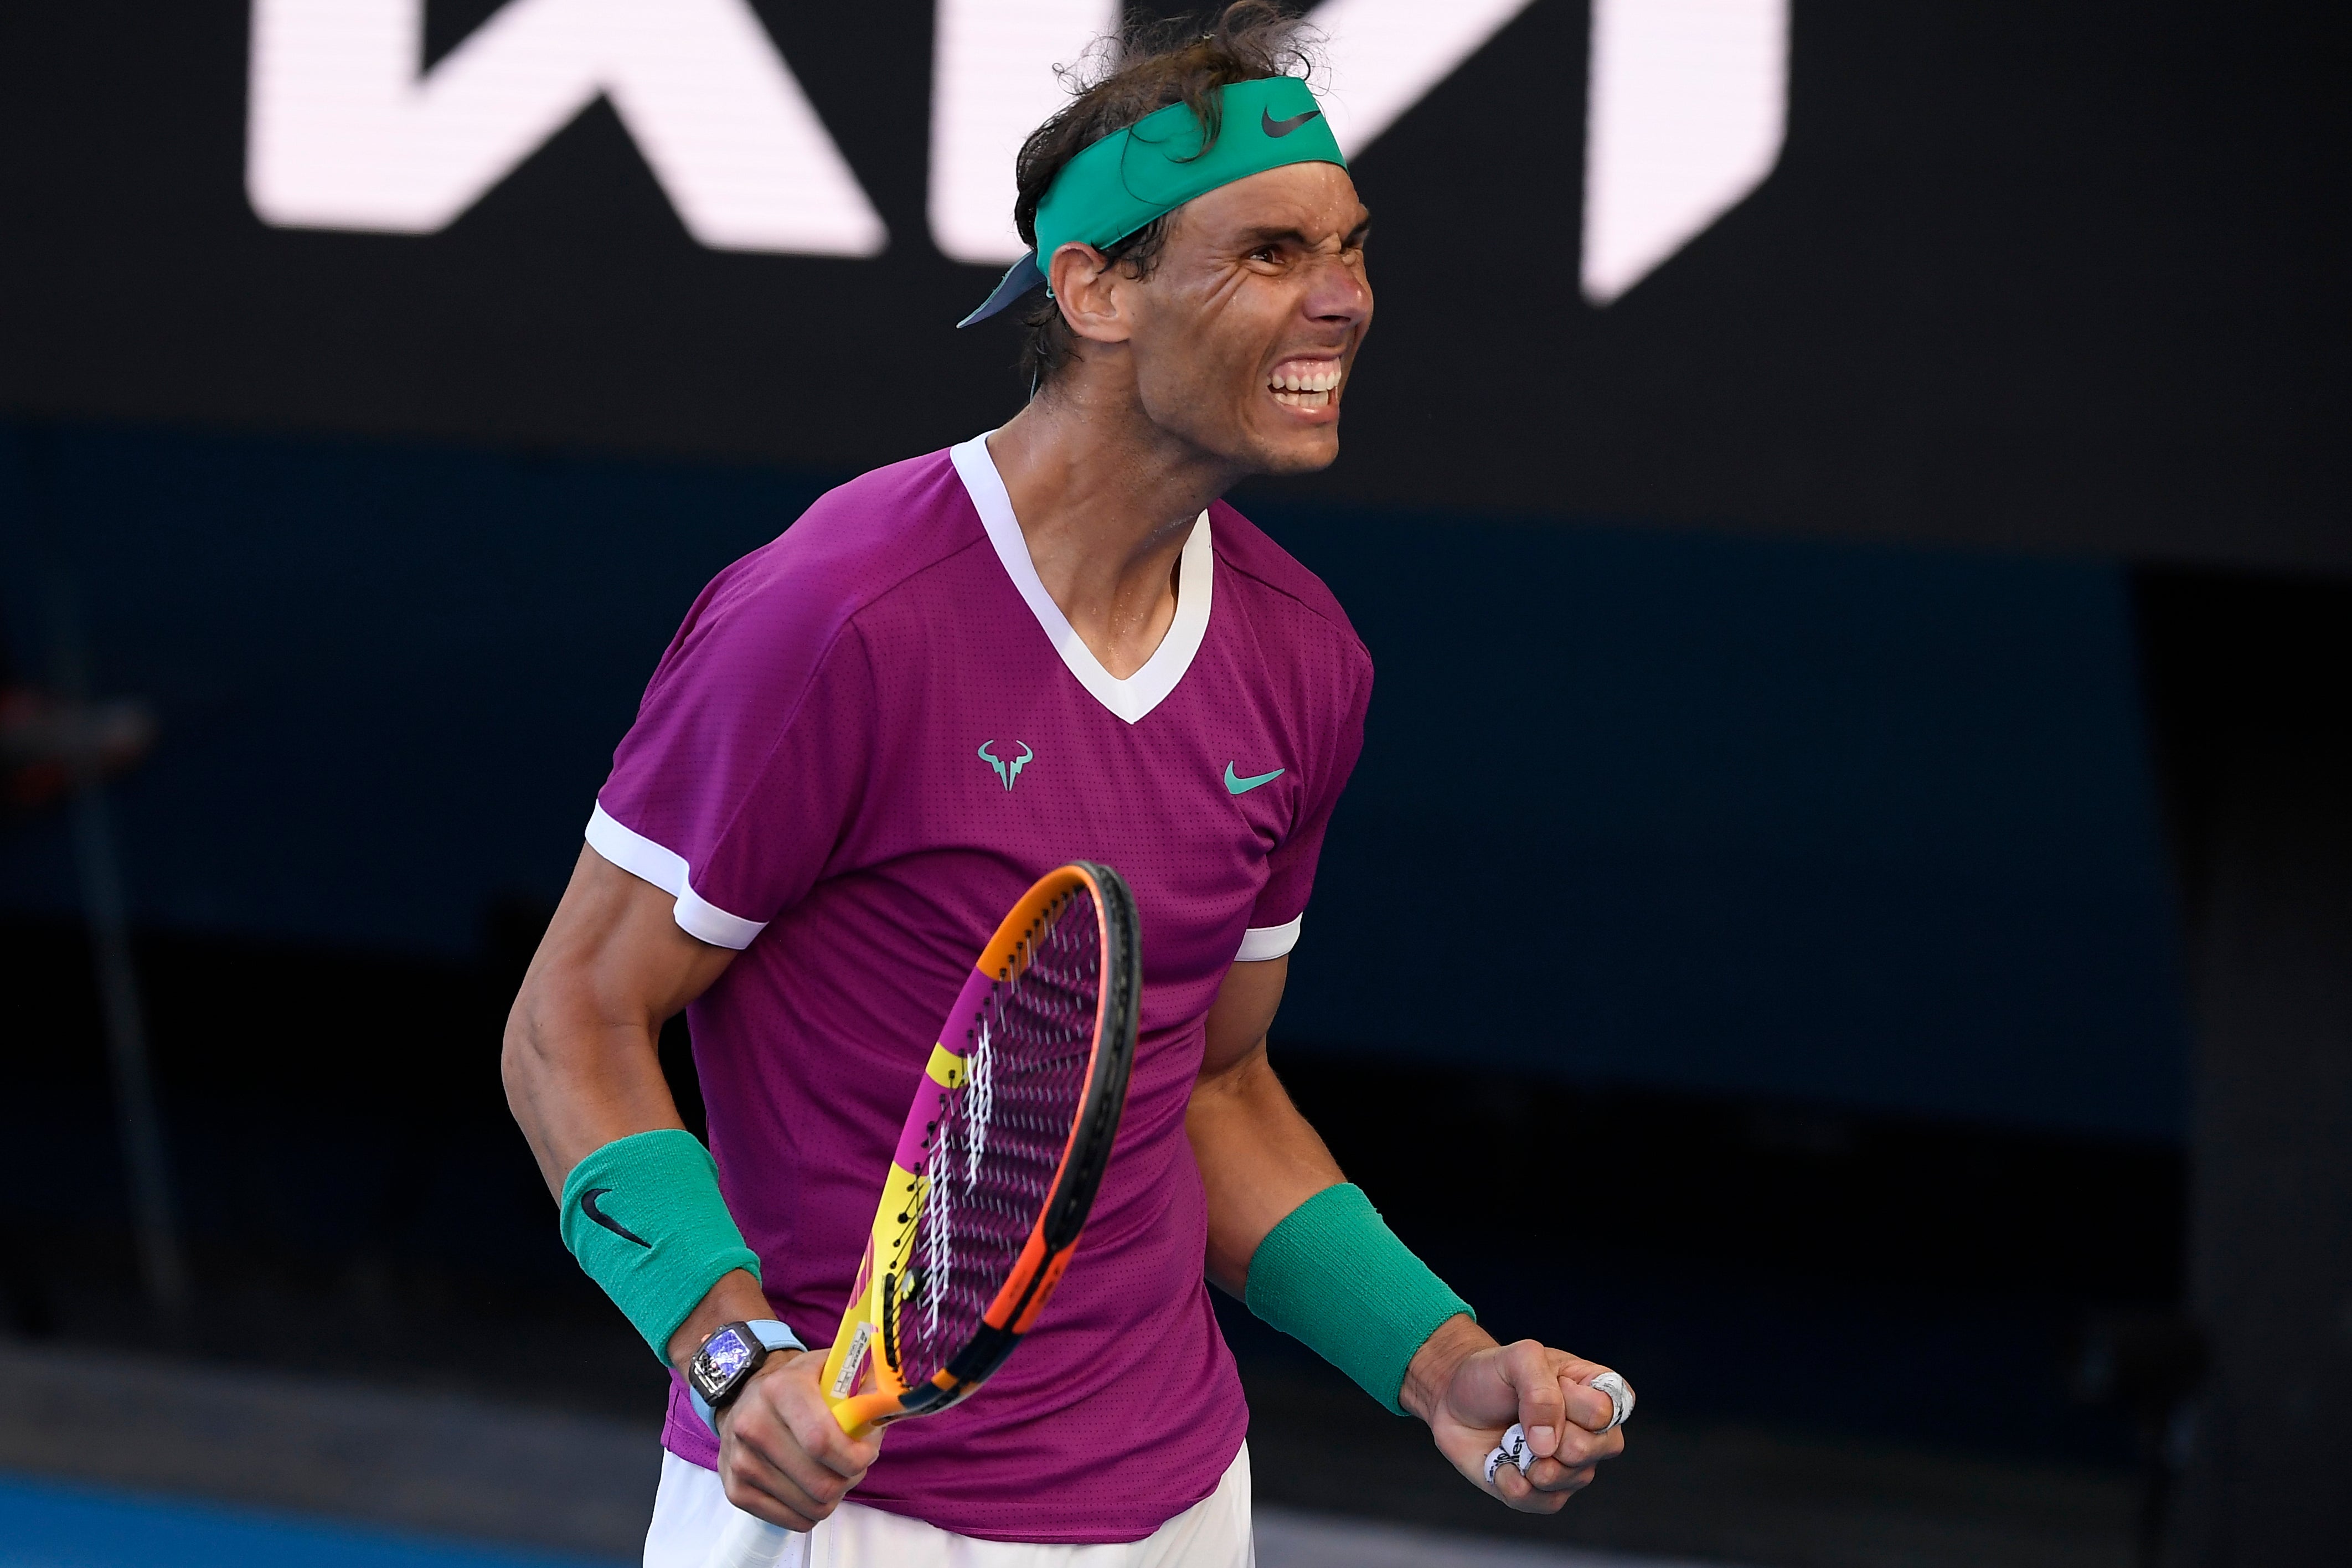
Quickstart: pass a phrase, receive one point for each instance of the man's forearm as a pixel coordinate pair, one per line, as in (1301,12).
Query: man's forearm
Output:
(568,1115)
(575,1084)
(583,1078)
(1259,1160)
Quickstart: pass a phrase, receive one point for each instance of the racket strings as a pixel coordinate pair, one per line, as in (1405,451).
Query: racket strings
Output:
(992,1168)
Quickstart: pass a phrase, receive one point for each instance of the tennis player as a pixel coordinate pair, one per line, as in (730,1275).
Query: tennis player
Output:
(949,675)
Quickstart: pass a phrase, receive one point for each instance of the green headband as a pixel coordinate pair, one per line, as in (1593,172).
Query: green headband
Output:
(1129,177)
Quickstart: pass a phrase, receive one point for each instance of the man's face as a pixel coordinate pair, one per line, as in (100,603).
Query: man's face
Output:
(1243,335)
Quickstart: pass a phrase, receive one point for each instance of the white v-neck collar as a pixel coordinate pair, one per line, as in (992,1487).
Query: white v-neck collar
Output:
(1145,689)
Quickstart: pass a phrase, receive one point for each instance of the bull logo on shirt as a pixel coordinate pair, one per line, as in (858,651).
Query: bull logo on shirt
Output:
(1006,771)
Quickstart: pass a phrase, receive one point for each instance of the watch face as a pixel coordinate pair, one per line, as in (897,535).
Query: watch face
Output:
(721,1361)
(728,1355)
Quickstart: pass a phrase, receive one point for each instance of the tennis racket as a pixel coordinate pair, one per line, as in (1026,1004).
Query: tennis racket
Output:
(995,1169)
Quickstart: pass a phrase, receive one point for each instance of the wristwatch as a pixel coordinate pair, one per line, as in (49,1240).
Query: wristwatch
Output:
(727,1361)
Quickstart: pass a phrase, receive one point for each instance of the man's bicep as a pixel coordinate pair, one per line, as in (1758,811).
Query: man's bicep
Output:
(1244,1011)
(617,939)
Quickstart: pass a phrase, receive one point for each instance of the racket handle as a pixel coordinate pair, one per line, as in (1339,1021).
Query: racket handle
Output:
(857,1414)
(750,1542)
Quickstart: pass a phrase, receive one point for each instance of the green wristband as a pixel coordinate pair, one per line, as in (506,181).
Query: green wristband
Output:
(644,1216)
(1334,1275)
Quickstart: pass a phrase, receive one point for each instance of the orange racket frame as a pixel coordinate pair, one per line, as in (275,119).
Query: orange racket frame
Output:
(868,1336)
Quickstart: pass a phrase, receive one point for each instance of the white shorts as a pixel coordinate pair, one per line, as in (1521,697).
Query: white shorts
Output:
(692,1509)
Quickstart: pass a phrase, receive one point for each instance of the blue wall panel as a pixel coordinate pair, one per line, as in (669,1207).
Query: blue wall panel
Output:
(1739,816)
(1776,818)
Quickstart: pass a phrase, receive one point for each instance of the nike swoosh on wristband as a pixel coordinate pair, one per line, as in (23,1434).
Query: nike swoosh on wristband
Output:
(1278,129)
(588,1206)
(1243,787)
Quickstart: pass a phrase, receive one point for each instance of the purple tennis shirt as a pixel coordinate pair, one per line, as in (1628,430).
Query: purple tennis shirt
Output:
(869,738)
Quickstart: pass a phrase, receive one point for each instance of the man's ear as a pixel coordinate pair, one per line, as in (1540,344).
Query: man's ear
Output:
(1091,291)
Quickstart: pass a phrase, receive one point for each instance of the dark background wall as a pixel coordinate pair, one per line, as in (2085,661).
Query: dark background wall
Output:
(2049,275)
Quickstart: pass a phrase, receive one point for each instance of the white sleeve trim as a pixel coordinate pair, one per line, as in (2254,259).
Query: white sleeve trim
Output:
(1262,942)
(642,858)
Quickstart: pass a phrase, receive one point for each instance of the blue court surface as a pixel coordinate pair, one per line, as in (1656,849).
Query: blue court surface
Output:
(42,1525)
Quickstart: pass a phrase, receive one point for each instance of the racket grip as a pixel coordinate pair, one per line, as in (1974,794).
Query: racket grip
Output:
(750,1542)
(857,1414)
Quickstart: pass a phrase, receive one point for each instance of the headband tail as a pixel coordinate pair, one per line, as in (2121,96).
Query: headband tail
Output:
(1019,279)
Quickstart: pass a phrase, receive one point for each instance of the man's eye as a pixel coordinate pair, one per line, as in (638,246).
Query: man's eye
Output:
(1266,253)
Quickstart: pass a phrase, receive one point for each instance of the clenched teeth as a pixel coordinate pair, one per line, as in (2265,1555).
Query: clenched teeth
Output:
(1312,375)
(1305,383)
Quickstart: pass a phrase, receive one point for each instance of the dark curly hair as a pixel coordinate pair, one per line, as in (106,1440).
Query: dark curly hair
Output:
(1146,66)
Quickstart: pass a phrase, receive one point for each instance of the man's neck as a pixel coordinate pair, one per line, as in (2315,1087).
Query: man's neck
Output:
(1106,501)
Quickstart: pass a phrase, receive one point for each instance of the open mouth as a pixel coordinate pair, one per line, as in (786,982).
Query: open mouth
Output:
(1305,383)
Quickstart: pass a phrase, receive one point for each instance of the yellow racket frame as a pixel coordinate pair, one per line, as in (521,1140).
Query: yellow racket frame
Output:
(859,1402)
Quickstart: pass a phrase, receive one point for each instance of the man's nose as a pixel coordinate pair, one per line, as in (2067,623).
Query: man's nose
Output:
(1338,291)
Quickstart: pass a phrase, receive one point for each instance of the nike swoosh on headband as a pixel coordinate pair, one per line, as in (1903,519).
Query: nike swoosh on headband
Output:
(588,1206)
(1281,128)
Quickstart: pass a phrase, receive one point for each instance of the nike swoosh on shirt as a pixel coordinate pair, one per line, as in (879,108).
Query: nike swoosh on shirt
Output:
(1243,787)
(588,1206)
(1281,128)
